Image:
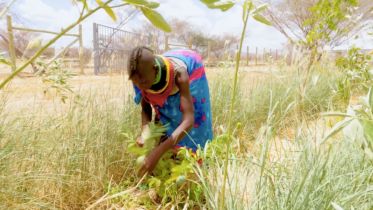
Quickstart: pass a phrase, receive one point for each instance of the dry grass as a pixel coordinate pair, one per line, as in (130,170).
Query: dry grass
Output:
(67,156)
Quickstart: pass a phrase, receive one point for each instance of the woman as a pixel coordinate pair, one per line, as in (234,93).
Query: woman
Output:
(174,85)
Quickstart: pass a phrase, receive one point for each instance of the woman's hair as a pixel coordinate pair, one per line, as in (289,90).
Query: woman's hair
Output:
(133,59)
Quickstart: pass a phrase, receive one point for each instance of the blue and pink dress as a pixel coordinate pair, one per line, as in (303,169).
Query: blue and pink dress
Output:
(165,98)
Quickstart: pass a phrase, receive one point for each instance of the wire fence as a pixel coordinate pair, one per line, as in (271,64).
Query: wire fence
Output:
(112,46)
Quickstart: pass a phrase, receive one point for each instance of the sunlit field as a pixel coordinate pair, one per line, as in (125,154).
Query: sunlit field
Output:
(291,131)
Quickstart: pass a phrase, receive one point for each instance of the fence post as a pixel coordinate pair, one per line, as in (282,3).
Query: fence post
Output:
(270,55)
(154,43)
(256,56)
(81,50)
(276,55)
(208,51)
(190,44)
(236,54)
(247,55)
(12,51)
(264,55)
(96,53)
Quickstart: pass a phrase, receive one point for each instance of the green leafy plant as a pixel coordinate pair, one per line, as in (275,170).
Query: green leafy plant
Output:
(324,23)
(173,178)
(151,136)
(249,10)
(361,116)
(55,78)
(357,68)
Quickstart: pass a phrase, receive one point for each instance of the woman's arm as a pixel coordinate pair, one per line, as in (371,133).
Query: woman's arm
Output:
(146,113)
(146,117)
(186,102)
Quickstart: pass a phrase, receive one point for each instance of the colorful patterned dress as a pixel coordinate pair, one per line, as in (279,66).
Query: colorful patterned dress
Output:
(166,102)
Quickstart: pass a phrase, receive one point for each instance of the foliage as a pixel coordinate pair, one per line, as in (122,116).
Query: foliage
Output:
(319,22)
(173,178)
(359,124)
(151,136)
(147,8)
(217,4)
(4,60)
(55,79)
(249,9)
(357,68)
(324,20)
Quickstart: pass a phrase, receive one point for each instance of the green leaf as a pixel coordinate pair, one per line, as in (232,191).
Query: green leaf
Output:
(144,3)
(107,9)
(84,2)
(154,182)
(336,206)
(34,44)
(368,130)
(336,114)
(4,61)
(250,6)
(260,9)
(209,1)
(223,6)
(370,99)
(339,126)
(136,150)
(261,19)
(156,19)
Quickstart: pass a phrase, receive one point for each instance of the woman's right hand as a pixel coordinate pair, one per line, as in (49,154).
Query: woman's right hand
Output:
(140,141)
(145,131)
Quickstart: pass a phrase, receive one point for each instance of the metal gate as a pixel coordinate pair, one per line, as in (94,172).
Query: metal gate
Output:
(111,47)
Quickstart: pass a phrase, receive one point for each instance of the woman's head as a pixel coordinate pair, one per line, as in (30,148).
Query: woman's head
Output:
(141,67)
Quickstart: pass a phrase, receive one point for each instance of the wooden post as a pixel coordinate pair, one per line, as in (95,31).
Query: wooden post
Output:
(276,56)
(264,55)
(151,40)
(190,43)
(96,50)
(155,42)
(270,52)
(247,56)
(236,54)
(208,51)
(81,50)
(165,42)
(12,51)
(270,55)
(256,56)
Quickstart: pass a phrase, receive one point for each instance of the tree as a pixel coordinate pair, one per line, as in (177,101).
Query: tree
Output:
(223,46)
(316,23)
(183,33)
(188,34)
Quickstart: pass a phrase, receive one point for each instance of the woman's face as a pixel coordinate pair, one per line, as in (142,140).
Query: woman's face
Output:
(145,76)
